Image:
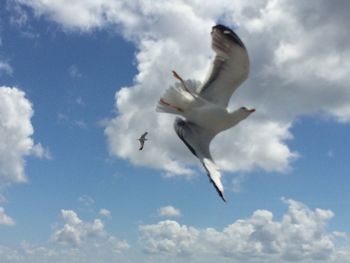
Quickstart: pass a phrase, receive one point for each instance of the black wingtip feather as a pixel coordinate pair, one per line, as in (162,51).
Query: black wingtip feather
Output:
(232,35)
(216,188)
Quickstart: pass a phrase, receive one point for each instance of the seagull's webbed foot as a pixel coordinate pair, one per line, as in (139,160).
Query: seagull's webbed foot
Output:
(170,105)
(177,76)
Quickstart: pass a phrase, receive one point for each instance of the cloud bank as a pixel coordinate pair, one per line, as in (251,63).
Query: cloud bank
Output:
(76,240)
(299,236)
(299,67)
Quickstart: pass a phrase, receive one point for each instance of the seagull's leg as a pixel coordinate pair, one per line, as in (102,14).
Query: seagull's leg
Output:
(177,76)
(170,105)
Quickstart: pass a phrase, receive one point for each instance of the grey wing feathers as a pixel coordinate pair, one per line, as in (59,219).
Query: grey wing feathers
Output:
(197,141)
(194,137)
(230,67)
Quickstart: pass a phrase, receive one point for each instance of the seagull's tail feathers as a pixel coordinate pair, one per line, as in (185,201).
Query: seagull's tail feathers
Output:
(175,100)
(214,176)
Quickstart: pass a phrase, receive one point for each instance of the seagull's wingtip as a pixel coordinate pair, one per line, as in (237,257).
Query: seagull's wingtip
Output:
(223,199)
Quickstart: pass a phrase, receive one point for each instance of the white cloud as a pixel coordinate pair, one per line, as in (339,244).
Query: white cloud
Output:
(168,237)
(75,231)
(16,132)
(40,151)
(169,211)
(299,67)
(5,219)
(105,213)
(25,252)
(76,241)
(299,236)
(88,241)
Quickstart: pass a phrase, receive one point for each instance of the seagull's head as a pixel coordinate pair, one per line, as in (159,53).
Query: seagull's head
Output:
(239,115)
(245,112)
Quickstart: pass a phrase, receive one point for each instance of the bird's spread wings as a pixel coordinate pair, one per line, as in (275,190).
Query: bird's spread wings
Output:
(142,140)
(143,136)
(197,141)
(230,66)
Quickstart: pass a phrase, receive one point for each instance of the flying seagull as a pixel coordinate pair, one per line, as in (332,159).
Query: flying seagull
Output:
(142,140)
(205,111)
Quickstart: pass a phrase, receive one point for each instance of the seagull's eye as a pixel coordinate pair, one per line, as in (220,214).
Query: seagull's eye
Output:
(243,108)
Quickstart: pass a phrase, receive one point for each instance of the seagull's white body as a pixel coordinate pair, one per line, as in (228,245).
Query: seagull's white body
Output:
(205,112)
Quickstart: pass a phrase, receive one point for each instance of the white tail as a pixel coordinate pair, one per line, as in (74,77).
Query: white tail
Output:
(175,100)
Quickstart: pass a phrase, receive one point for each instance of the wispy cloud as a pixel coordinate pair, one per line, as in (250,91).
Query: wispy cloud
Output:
(86,201)
(105,213)
(74,72)
(5,68)
(5,219)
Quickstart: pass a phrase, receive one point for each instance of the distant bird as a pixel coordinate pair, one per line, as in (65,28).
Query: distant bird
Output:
(142,140)
(205,110)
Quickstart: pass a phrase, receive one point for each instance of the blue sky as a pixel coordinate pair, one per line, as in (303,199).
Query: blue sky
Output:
(78,87)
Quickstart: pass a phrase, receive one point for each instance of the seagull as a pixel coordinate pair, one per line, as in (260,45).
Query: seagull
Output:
(142,140)
(204,112)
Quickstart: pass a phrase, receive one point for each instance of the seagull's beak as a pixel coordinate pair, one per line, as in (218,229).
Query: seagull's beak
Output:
(251,110)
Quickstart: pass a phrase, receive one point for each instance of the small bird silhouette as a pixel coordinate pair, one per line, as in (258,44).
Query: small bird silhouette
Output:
(142,140)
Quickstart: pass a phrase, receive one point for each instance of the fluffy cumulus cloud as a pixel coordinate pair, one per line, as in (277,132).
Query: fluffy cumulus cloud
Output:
(16,133)
(5,219)
(169,211)
(75,230)
(299,65)
(299,236)
(75,241)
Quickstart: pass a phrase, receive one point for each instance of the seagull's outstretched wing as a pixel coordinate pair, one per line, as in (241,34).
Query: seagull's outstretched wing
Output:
(143,136)
(197,141)
(142,143)
(230,66)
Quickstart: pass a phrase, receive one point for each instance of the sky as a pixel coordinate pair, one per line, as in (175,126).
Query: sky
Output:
(79,83)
